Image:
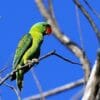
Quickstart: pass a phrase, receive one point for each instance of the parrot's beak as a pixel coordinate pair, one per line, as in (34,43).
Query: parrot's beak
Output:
(48,30)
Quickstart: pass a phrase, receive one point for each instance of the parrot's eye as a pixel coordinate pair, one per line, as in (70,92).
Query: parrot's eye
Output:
(44,25)
(47,28)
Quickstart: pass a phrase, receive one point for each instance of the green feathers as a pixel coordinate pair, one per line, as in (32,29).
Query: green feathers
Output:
(18,61)
(28,49)
(22,47)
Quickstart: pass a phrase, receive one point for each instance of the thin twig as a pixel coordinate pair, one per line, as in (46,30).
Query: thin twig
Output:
(47,55)
(3,69)
(14,89)
(38,84)
(79,27)
(32,63)
(57,90)
(92,9)
(78,95)
(66,59)
(26,65)
(89,18)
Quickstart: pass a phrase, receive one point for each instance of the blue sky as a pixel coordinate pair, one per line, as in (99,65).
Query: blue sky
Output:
(16,19)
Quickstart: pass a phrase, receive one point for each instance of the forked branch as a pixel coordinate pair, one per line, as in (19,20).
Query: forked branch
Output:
(72,46)
(31,63)
(57,90)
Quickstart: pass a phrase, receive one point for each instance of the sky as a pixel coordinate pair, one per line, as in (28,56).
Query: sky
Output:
(17,17)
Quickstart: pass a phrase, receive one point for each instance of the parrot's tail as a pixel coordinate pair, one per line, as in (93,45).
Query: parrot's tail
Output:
(13,77)
(19,84)
(19,79)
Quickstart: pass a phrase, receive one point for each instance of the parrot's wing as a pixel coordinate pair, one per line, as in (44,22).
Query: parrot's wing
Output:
(23,45)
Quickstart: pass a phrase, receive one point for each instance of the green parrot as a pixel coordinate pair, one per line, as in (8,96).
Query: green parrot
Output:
(28,49)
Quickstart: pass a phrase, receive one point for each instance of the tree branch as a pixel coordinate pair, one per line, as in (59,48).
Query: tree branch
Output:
(14,89)
(31,63)
(66,59)
(26,65)
(92,9)
(78,95)
(57,90)
(79,27)
(89,18)
(65,40)
(38,84)
(92,86)
(3,69)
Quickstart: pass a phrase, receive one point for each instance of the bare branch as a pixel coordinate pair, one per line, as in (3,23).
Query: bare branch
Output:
(89,18)
(14,89)
(66,59)
(38,84)
(93,82)
(26,65)
(65,40)
(3,69)
(79,27)
(92,9)
(58,90)
(78,95)
(31,63)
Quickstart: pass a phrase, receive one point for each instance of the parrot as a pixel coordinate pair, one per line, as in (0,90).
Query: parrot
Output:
(29,49)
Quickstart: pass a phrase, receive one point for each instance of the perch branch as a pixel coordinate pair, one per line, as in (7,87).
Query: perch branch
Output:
(34,62)
(26,65)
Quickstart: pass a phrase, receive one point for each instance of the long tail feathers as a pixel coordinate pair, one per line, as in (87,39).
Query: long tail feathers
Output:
(19,83)
(13,77)
(19,79)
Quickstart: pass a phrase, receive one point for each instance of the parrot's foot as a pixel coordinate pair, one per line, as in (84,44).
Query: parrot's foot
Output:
(33,61)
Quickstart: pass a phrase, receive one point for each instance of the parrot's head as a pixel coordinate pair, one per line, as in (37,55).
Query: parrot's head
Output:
(42,27)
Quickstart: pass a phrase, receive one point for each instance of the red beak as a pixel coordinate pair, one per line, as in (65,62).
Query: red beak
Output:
(48,30)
